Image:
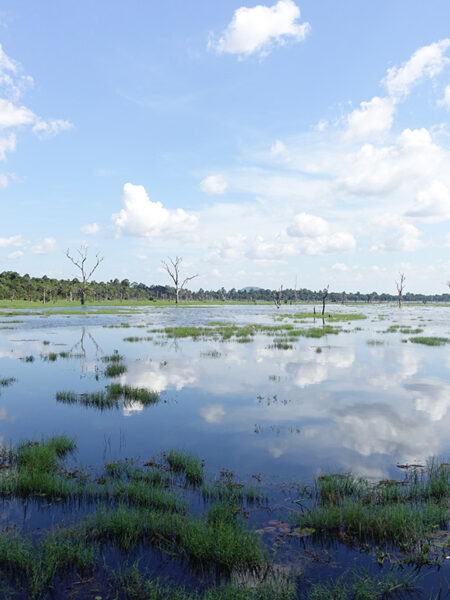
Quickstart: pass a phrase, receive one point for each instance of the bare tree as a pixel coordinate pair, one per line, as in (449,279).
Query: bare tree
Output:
(278,297)
(400,287)
(174,271)
(324,298)
(86,274)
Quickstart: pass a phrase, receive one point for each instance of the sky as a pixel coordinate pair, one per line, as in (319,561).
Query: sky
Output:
(266,143)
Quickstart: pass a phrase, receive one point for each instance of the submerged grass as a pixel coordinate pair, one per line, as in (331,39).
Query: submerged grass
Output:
(430,341)
(189,465)
(402,512)
(115,396)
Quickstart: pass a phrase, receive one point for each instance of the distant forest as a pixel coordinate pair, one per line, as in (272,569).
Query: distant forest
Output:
(14,286)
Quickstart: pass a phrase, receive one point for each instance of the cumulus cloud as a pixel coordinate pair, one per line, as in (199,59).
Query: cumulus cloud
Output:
(259,29)
(15,254)
(315,236)
(90,228)
(140,217)
(277,148)
(433,203)
(373,117)
(427,61)
(213,184)
(212,413)
(13,114)
(45,246)
(14,240)
(50,128)
(406,238)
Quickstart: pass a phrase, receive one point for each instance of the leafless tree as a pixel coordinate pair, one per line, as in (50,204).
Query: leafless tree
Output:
(278,297)
(324,298)
(400,287)
(174,271)
(85,273)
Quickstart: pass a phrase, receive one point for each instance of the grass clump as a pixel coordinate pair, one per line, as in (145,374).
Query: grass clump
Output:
(112,358)
(115,396)
(363,587)
(7,381)
(189,465)
(430,341)
(115,369)
(400,512)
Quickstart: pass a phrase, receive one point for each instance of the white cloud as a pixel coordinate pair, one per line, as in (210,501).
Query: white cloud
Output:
(445,101)
(15,254)
(213,184)
(427,61)
(315,236)
(277,148)
(50,128)
(340,267)
(45,246)
(141,217)
(406,238)
(373,117)
(90,228)
(433,203)
(259,29)
(14,116)
(7,144)
(212,413)
(14,240)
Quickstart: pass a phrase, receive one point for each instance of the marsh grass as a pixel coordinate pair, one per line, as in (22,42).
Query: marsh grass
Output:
(136,585)
(133,338)
(115,396)
(430,341)
(189,465)
(363,586)
(113,358)
(401,512)
(7,381)
(115,369)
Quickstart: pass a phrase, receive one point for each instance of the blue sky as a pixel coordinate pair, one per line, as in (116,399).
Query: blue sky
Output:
(262,142)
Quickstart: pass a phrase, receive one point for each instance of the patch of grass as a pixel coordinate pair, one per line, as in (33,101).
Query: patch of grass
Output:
(191,466)
(115,396)
(7,381)
(113,358)
(133,338)
(211,354)
(115,369)
(29,358)
(375,342)
(50,357)
(363,587)
(430,341)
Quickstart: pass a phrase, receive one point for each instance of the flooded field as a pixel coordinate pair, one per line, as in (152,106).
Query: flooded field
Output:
(225,452)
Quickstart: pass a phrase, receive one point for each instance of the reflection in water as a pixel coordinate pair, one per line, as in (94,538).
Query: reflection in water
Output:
(350,405)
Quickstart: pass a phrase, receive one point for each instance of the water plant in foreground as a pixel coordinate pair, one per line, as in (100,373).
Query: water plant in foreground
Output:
(430,341)
(115,396)
(189,465)
(114,369)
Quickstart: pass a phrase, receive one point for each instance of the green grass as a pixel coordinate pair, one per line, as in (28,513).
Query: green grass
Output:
(112,358)
(114,369)
(402,512)
(136,585)
(7,381)
(115,396)
(363,586)
(134,338)
(430,341)
(189,465)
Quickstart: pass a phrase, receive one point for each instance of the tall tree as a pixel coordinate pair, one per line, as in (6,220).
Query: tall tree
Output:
(85,272)
(400,287)
(174,271)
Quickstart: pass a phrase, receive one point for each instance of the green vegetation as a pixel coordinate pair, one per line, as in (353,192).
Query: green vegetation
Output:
(114,369)
(134,338)
(363,587)
(190,466)
(113,358)
(430,341)
(6,381)
(402,512)
(115,396)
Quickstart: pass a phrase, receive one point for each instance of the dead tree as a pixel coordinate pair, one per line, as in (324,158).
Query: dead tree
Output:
(85,273)
(400,287)
(174,271)
(324,298)
(278,297)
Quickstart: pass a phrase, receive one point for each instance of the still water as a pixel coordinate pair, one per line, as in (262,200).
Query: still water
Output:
(363,400)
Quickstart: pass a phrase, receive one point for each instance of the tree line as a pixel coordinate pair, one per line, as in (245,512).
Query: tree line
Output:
(14,286)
